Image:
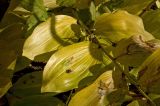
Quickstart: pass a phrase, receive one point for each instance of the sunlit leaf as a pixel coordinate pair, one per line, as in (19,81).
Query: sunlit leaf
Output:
(132,6)
(149,77)
(135,6)
(158,3)
(69,65)
(5,84)
(39,101)
(93,11)
(152,22)
(95,94)
(133,51)
(119,24)
(80,4)
(66,3)
(50,4)
(50,35)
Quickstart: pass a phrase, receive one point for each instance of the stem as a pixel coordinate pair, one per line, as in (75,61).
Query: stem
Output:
(69,98)
(147,8)
(95,40)
(132,81)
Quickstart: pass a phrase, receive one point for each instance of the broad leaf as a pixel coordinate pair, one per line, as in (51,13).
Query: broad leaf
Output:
(93,11)
(27,85)
(5,84)
(119,79)
(9,18)
(39,101)
(10,51)
(120,24)
(133,51)
(51,4)
(134,103)
(152,22)
(135,6)
(48,36)
(82,4)
(95,94)
(66,3)
(37,7)
(158,3)
(118,96)
(149,77)
(132,6)
(69,65)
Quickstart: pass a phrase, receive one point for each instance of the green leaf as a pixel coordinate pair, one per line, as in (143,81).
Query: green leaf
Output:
(80,4)
(31,22)
(21,63)
(69,65)
(133,51)
(158,3)
(132,6)
(6,57)
(94,94)
(39,101)
(118,78)
(134,103)
(93,11)
(9,51)
(37,7)
(9,17)
(135,6)
(5,84)
(51,4)
(152,22)
(48,36)
(38,12)
(66,3)
(117,96)
(27,85)
(149,77)
(118,25)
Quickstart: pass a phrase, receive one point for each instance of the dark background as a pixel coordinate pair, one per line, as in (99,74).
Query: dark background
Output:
(3,7)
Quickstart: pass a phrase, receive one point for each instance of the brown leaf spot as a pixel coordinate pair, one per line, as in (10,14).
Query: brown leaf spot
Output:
(68,71)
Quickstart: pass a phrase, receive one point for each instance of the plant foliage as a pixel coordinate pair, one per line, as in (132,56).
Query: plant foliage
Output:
(101,52)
